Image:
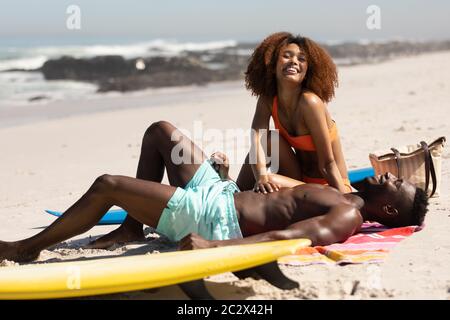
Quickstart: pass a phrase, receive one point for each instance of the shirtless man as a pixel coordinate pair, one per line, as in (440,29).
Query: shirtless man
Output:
(202,209)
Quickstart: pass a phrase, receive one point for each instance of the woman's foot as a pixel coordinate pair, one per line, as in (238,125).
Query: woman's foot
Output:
(119,236)
(13,251)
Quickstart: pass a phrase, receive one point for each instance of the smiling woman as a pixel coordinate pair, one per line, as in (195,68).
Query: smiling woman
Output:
(321,78)
(293,77)
(291,52)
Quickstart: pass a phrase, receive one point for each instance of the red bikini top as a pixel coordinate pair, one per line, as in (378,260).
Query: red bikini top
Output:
(303,142)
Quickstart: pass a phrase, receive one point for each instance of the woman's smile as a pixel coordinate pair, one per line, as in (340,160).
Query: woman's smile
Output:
(289,69)
(291,63)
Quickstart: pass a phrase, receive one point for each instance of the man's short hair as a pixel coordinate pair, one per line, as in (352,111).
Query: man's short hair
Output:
(419,208)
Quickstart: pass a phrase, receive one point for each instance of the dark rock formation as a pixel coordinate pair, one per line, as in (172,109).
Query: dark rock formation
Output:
(115,73)
(38,98)
(95,69)
(357,53)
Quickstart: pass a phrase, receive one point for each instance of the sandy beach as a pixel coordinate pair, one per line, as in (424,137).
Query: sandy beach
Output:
(48,162)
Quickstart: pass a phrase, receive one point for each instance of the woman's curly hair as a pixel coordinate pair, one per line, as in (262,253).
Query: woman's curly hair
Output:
(321,76)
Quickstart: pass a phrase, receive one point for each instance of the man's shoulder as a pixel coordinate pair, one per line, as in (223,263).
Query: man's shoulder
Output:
(355,200)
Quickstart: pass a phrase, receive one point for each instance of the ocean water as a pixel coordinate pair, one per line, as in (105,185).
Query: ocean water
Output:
(25,88)
(18,88)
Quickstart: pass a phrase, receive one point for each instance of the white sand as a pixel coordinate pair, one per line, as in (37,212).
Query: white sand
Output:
(50,163)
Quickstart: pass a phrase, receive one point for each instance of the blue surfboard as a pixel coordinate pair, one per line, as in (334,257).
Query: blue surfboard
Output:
(117,216)
(357,175)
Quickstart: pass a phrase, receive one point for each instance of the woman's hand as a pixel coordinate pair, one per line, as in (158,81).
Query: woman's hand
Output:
(194,241)
(221,164)
(265,184)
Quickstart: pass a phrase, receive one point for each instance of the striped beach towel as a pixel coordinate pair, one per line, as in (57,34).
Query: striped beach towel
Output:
(370,245)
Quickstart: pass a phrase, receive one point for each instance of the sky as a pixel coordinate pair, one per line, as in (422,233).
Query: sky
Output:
(240,20)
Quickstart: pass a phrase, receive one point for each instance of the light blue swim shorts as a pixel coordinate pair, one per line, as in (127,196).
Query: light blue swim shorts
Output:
(205,206)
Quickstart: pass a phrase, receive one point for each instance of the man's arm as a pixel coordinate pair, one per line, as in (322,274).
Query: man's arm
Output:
(337,225)
(341,222)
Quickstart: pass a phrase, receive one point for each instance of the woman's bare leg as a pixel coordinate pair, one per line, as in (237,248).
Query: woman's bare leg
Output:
(287,165)
(143,200)
(155,156)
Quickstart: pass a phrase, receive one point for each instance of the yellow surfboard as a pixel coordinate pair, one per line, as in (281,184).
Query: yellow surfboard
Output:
(122,274)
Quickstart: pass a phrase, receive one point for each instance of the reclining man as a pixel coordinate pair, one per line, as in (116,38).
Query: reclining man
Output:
(202,209)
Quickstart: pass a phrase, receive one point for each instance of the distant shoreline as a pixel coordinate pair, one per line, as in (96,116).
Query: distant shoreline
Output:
(75,72)
(48,109)
(12,116)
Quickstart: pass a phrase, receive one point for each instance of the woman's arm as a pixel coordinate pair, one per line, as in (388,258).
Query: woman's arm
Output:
(283,181)
(314,112)
(260,122)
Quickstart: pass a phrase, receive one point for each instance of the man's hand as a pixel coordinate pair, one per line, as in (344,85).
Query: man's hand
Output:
(221,164)
(194,241)
(265,185)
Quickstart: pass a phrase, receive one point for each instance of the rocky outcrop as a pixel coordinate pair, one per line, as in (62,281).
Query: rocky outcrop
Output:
(95,69)
(114,73)
(356,53)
